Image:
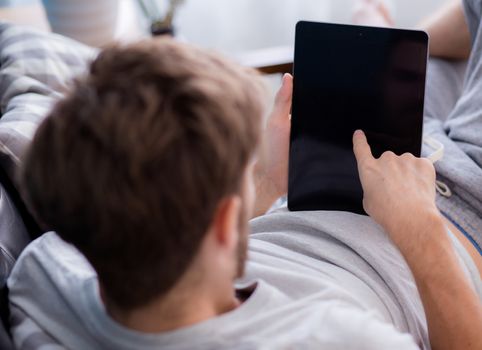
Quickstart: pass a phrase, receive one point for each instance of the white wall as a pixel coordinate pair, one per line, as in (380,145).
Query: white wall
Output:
(239,25)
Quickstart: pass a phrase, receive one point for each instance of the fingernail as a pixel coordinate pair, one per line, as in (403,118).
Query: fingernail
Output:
(358,132)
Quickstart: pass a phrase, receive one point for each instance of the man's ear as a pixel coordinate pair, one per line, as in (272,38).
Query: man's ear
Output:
(226,222)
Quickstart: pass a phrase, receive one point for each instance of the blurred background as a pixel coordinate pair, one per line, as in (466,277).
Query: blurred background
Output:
(257,33)
(232,26)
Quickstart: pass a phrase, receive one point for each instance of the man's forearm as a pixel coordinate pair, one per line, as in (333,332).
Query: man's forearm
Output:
(449,33)
(452,308)
(399,194)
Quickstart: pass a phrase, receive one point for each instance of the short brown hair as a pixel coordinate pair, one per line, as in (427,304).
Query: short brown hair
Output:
(132,164)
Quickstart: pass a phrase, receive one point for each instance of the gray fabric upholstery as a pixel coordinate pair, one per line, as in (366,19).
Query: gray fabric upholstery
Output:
(13,239)
(35,71)
(36,68)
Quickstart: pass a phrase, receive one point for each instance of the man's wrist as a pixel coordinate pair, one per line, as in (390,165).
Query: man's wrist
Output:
(424,242)
(415,234)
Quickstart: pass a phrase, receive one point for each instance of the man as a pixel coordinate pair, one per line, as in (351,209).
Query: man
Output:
(150,168)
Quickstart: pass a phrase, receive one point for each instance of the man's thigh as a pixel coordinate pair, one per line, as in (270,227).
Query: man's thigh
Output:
(443,88)
(464,123)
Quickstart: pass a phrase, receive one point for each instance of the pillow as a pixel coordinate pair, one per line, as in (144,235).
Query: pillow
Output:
(14,236)
(36,68)
(35,71)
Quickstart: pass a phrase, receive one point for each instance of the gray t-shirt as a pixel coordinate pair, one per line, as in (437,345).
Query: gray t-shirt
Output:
(317,284)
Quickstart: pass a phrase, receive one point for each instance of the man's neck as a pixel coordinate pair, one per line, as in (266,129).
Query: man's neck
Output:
(174,311)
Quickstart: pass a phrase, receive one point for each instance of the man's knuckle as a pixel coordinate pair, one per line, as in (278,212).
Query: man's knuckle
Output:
(367,164)
(407,156)
(388,155)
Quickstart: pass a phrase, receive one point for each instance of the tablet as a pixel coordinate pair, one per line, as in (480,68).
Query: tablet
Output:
(347,78)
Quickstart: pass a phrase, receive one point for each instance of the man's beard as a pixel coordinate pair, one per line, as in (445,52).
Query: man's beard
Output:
(242,249)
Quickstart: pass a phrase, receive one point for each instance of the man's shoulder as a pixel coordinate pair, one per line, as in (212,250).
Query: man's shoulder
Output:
(361,329)
(329,324)
(47,292)
(330,318)
(345,327)
(52,256)
(47,269)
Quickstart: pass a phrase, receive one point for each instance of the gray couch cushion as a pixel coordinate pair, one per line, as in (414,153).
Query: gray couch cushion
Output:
(36,68)
(14,236)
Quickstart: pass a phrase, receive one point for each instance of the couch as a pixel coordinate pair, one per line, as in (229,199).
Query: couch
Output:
(36,69)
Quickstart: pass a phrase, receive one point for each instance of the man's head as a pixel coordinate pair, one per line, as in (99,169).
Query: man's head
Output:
(146,155)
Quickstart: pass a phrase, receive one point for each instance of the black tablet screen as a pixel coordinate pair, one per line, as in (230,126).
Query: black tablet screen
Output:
(348,78)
